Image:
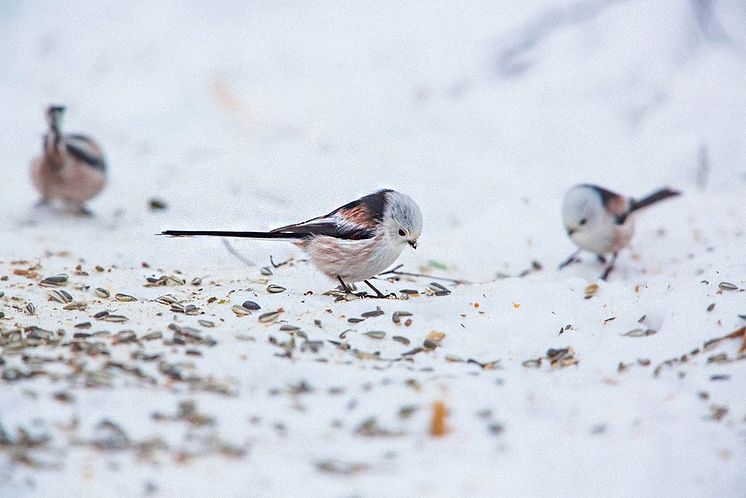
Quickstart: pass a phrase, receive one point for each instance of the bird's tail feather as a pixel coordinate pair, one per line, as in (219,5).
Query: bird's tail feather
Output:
(222,233)
(656,196)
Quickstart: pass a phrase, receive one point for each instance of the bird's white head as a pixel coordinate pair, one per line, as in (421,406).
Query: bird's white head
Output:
(402,219)
(584,213)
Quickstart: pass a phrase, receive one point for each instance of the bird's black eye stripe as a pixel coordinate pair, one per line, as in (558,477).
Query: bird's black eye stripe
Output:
(402,232)
(583,221)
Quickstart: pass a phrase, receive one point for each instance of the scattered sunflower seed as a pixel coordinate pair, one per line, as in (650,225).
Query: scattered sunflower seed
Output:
(396,317)
(76,305)
(264,270)
(152,336)
(60,295)
(275,289)
(124,298)
(727,286)
(251,305)
(590,291)
(240,310)
(206,323)
(30,308)
(639,333)
(103,293)
(370,314)
(114,318)
(166,299)
(375,334)
(401,339)
(270,316)
(54,281)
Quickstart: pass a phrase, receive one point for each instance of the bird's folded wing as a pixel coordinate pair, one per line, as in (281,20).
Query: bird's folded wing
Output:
(331,227)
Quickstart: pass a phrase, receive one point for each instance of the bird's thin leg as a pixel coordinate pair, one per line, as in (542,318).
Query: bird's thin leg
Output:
(601,259)
(608,269)
(572,259)
(344,285)
(379,294)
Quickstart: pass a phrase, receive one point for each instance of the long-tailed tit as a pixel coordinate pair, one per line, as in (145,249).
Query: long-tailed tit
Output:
(71,167)
(601,221)
(353,243)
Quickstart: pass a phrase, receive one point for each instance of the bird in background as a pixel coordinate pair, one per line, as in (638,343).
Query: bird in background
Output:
(354,242)
(71,167)
(602,222)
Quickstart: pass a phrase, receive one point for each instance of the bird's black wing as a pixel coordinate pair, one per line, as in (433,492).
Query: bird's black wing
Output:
(355,220)
(84,149)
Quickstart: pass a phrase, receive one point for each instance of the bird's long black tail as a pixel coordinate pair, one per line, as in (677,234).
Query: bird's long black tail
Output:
(656,196)
(222,233)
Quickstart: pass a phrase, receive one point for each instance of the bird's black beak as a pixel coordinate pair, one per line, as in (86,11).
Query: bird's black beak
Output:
(571,231)
(413,243)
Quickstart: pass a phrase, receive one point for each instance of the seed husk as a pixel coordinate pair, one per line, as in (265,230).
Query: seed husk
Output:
(396,317)
(60,295)
(251,305)
(196,281)
(264,270)
(591,290)
(54,281)
(164,280)
(83,325)
(240,310)
(288,328)
(152,336)
(206,323)
(718,358)
(191,309)
(124,337)
(410,292)
(354,320)
(401,339)
(727,286)
(102,293)
(124,298)
(275,289)
(370,314)
(30,308)
(639,333)
(76,305)
(439,289)
(375,334)
(270,316)
(114,318)
(166,299)
(435,336)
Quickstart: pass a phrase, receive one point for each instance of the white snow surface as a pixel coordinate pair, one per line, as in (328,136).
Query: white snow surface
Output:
(249,115)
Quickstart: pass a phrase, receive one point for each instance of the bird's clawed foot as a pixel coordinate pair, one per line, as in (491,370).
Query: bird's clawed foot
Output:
(378,294)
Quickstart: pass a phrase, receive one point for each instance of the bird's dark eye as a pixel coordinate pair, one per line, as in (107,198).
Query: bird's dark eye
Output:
(402,232)
(583,221)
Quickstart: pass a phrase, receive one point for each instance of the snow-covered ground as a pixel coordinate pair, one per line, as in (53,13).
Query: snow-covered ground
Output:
(247,115)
